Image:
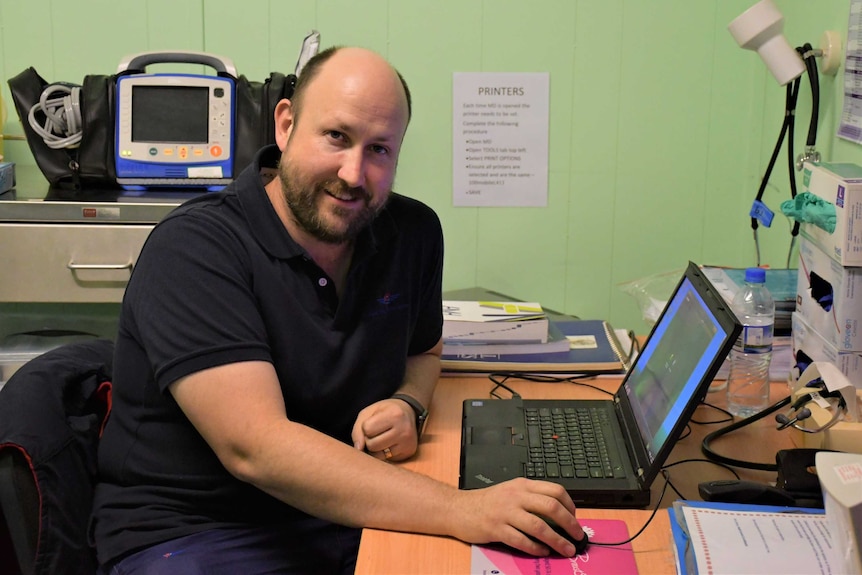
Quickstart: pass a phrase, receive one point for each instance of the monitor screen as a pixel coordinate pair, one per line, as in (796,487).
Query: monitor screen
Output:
(184,120)
(672,365)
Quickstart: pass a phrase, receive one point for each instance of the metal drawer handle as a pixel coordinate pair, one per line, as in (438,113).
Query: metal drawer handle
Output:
(74,266)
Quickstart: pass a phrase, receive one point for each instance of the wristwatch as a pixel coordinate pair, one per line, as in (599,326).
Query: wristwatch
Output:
(421,411)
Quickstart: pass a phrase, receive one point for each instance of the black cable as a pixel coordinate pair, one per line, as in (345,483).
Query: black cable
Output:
(635,346)
(814,79)
(712,455)
(685,432)
(791,159)
(675,490)
(499,377)
(810,61)
(729,416)
(806,52)
(667,483)
(722,465)
(789,111)
(808,57)
(498,382)
(649,519)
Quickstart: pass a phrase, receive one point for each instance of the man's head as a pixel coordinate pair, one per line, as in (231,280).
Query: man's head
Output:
(312,67)
(340,137)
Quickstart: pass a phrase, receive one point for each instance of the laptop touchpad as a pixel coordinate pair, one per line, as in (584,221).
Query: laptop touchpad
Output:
(490,436)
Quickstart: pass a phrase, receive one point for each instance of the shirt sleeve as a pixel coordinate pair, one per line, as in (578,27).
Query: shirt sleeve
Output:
(190,302)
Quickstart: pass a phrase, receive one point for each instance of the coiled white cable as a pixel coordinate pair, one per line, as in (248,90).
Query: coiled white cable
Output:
(62,125)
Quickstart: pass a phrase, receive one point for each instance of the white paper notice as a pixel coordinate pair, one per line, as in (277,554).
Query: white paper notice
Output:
(500,139)
(750,542)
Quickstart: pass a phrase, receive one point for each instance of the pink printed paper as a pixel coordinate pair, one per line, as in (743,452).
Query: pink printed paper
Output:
(619,560)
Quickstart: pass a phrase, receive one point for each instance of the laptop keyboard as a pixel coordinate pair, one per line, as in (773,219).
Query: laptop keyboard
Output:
(570,443)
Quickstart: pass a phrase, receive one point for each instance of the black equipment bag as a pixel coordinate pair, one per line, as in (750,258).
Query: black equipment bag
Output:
(255,109)
(91,163)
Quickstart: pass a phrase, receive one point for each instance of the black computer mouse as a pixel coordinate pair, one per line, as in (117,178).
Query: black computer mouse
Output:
(580,544)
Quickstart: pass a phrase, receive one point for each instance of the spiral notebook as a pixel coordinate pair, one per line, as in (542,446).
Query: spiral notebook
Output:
(593,348)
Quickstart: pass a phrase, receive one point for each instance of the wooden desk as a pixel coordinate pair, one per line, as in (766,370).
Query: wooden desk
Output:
(383,552)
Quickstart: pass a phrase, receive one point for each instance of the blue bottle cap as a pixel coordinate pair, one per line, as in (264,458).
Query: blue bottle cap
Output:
(755,275)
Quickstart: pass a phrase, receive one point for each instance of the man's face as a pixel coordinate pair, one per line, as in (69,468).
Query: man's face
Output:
(338,165)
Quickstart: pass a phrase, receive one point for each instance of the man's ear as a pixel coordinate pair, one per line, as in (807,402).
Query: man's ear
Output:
(283,117)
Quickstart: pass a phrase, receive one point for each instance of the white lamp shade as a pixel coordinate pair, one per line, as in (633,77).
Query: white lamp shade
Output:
(759,28)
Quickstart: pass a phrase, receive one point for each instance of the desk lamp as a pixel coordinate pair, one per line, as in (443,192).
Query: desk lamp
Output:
(760,29)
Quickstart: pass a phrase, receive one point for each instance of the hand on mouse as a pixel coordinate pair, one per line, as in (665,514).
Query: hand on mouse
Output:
(513,513)
(580,544)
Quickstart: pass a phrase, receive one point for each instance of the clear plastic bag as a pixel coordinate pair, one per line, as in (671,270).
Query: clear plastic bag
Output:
(652,292)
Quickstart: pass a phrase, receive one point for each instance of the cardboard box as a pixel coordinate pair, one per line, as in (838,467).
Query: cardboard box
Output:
(7,176)
(840,185)
(819,276)
(843,436)
(828,427)
(810,343)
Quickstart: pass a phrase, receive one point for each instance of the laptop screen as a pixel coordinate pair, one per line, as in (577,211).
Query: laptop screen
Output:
(669,370)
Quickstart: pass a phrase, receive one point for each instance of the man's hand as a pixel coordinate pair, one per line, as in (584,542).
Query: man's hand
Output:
(386,425)
(512,512)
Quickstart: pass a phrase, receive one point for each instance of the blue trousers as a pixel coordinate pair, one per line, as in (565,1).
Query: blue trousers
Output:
(255,550)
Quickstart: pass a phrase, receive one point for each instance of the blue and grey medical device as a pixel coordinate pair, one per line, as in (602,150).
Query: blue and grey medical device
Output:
(175,129)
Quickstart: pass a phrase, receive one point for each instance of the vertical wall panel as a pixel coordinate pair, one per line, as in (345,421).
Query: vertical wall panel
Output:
(450,44)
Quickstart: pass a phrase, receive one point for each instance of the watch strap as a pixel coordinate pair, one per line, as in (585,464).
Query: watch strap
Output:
(421,410)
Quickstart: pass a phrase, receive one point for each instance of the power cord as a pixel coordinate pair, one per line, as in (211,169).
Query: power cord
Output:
(60,106)
(727,415)
(667,483)
(500,378)
(712,455)
(655,509)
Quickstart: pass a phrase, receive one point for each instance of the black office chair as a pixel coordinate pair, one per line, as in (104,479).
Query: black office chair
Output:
(52,412)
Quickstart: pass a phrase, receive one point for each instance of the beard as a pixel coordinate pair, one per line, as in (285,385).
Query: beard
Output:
(303,199)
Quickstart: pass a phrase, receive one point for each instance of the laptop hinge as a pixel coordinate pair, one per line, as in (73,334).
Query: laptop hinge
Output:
(630,442)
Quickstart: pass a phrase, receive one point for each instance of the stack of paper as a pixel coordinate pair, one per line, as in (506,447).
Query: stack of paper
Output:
(499,327)
(483,322)
(733,538)
(591,346)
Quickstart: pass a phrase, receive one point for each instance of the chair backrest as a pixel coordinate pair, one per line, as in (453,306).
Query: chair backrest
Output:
(19,503)
(52,412)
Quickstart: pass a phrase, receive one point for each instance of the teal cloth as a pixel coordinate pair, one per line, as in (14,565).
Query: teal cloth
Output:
(812,209)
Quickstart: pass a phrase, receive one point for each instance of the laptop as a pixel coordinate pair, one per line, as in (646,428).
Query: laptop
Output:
(606,453)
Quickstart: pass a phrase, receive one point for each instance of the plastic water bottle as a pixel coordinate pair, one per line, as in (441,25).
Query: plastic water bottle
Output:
(748,382)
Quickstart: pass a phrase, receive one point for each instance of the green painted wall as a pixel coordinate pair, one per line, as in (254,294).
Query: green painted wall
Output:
(660,127)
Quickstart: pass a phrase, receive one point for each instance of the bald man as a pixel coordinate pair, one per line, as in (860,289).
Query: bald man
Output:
(279,343)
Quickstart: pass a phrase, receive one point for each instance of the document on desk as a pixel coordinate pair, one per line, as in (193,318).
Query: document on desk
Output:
(722,539)
(620,560)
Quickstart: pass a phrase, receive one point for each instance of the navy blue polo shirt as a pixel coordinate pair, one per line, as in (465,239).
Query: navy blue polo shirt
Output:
(218,281)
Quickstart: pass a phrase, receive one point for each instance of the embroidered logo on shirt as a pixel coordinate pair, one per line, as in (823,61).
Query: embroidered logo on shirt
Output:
(387,304)
(388,298)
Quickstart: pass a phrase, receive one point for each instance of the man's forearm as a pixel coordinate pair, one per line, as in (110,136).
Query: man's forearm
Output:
(421,375)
